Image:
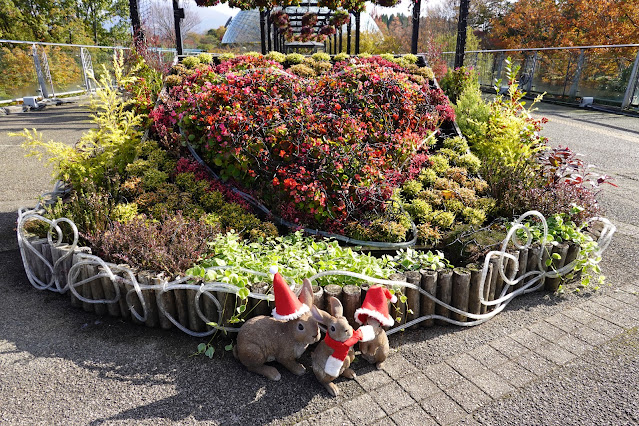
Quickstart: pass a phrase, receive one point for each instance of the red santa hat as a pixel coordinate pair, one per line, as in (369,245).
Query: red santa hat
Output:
(376,305)
(287,305)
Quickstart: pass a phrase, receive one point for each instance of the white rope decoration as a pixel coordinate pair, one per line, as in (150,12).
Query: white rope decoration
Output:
(121,274)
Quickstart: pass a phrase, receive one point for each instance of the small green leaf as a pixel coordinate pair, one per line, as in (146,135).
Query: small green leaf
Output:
(548,262)
(243,293)
(241,309)
(210,351)
(228,347)
(201,348)
(556,256)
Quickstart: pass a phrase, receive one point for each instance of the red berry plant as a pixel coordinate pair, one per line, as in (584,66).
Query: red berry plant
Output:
(322,151)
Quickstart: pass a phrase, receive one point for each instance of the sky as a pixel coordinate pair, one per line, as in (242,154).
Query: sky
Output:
(216,16)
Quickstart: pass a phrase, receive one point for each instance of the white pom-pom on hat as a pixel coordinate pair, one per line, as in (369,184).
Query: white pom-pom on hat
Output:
(273,269)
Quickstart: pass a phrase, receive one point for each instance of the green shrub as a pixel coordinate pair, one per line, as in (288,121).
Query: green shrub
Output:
(190,61)
(322,67)
(124,212)
(321,56)
(388,56)
(173,80)
(425,72)
(212,201)
(457,80)
(276,56)
(226,56)
(205,58)
(294,58)
(450,154)
(427,234)
(379,229)
(253,54)
(153,179)
(431,197)
(410,58)
(341,57)
(454,206)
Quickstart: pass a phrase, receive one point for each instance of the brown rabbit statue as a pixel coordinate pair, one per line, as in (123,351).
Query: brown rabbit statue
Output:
(283,337)
(374,312)
(333,356)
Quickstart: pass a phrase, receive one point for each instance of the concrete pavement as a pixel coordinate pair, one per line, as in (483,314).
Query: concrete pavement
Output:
(570,359)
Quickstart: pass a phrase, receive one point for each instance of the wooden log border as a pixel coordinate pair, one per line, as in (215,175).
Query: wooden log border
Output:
(463,296)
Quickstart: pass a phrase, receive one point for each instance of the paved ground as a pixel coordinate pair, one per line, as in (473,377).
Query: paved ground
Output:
(571,359)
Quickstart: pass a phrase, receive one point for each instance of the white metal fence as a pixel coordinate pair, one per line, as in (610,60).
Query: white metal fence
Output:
(607,73)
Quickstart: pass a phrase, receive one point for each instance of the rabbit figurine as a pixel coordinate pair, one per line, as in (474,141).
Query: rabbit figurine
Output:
(374,312)
(283,337)
(333,355)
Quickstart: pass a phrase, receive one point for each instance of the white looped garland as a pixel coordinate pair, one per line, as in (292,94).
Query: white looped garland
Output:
(529,281)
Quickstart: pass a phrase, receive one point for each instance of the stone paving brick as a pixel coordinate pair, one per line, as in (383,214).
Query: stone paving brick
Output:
(466,365)
(546,330)
(333,416)
(363,410)
(617,298)
(373,379)
(590,336)
(386,421)
(443,375)
(493,384)
(508,347)
(392,397)
(606,328)
(515,374)
(488,356)
(469,420)
(413,415)
(579,315)
(443,408)
(397,366)
(573,344)
(555,353)
(563,322)
(631,312)
(468,395)
(418,386)
(626,297)
(535,363)
(619,318)
(596,309)
(527,338)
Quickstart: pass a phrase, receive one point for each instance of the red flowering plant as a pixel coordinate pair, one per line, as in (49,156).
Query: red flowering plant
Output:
(340,18)
(309,19)
(280,19)
(327,30)
(321,151)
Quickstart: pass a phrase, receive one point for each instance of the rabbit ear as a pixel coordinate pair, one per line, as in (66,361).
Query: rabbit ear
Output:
(306,294)
(321,316)
(336,307)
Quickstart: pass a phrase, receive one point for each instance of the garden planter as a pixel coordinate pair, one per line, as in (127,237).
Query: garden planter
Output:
(413,302)
(398,309)
(474,286)
(318,296)
(352,300)
(109,290)
(333,290)
(181,307)
(165,301)
(444,293)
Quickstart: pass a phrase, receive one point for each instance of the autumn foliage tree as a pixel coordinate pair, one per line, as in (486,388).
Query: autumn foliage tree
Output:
(551,23)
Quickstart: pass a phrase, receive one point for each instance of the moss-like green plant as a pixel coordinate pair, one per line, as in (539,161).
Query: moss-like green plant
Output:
(294,58)
(191,61)
(470,162)
(420,210)
(253,54)
(427,177)
(428,234)
(341,57)
(322,67)
(173,80)
(439,164)
(379,229)
(302,70)
(472,216)
(387,56)
(276,56)
(411,188)
(457,144)
(431,197)
(450,154)
(365,55)
(454,206)
(321,56)
(425,72)
(457,174)
(212,201)
(153,179)
(442,218)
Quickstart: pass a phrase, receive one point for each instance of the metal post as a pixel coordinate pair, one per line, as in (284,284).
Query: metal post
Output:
(348,37)
(633,84)
(461,33)
(138,34)
(340,39)
(268,29)
(531,73)
(38,68)
(415,38)
(357,31)
(178,15)
(262,33)
(498,66)
(575,81)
